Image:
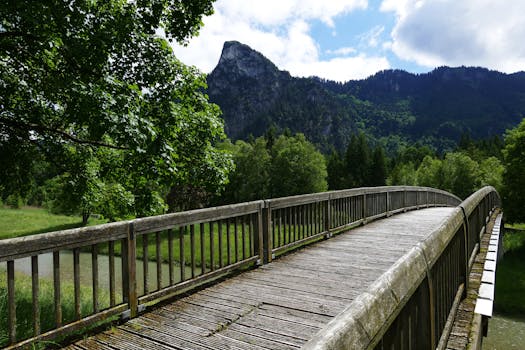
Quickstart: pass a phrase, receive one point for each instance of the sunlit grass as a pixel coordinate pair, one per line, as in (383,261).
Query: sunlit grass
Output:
(29,220)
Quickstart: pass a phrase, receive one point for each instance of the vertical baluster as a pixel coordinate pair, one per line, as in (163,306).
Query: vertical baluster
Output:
(182,231)
(286,229)
(236,236)
(158,257)
(56,286)
(11,309)
(76,281)
(220,243)
(212,246)
(203,253)
(170,256)
(278,218)
(228,245)
(253,218)
(192,250)
(112,292)
(243,235)
(36,300)
(94,269)
(274,231)
(145,262)
(300,221)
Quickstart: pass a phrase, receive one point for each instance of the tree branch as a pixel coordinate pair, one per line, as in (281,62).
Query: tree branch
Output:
(41,128)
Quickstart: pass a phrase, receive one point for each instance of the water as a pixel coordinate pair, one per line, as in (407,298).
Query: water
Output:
(505,333)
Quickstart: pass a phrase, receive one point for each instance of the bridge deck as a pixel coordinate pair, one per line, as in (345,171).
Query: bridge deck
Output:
(280,305)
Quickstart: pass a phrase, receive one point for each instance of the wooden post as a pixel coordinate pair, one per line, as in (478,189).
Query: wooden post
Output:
(129,267)
(327,214)
(11,302)
(266,218)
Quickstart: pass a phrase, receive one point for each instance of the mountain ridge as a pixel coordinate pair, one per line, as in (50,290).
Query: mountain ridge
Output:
(391,106)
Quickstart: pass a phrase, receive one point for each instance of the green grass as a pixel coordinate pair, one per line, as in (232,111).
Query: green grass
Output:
(510,278)
(24,308)
(28,221)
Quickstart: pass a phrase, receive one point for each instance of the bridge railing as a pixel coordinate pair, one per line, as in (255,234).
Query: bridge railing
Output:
(412,306)
(73,279)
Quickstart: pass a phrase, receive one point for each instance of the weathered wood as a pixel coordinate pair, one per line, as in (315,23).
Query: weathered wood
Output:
(20,247)
(76,281)
(94,274)
(112,292)
(11,302)
(56,288)
(35,298)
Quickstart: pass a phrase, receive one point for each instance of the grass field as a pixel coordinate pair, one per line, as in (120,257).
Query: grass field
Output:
(510,278)
(28,221)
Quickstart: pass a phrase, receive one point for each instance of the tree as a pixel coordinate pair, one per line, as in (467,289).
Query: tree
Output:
(357,161)
(93,74)
(251,178)
(297,167)
(335,167)
(378,172)
(514,174)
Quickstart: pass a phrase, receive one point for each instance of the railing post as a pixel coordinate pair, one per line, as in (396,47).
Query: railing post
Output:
(327,213)
(266,223)
(129,271)
(258,246)
(404,200)
(364,208)
(388,203)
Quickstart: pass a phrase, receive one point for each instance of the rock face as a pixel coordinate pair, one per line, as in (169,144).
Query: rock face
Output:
(435,108)
(246,85)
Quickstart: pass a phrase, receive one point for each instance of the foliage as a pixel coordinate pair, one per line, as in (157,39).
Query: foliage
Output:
(90,84)
(513,176)
(456,173)
(297,167)
(251,178)
(290,166)
(359,166)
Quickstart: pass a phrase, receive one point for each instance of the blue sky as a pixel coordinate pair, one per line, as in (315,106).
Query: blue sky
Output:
(353,39)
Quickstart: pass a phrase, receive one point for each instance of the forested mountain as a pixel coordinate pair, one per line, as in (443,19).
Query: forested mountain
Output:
(392,106)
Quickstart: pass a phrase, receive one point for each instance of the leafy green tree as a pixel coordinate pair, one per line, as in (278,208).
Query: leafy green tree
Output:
(93,75)
(358,161)
(430,173)
(491,173)
(335,167)
(461,174)
(403,174)
(378,171)
(297,167)
(251,178)
(514,174)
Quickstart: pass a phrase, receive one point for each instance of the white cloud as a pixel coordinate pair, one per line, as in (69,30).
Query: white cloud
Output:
(371,38)
(468,32)
(342,51)
(280,30)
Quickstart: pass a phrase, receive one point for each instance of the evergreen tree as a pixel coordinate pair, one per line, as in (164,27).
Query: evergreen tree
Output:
(378,171)
(357,161)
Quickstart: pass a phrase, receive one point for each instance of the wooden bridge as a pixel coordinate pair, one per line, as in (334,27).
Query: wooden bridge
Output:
(207,279)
